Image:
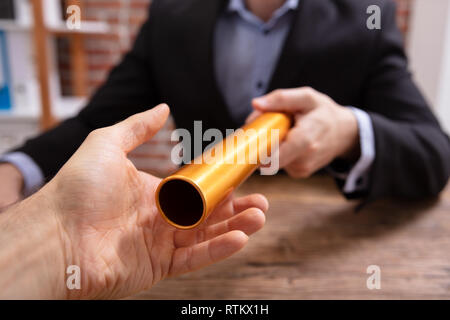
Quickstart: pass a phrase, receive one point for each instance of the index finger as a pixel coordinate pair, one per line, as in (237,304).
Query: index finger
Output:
(287,100)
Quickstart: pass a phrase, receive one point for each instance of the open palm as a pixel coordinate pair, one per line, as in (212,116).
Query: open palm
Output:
(112,229)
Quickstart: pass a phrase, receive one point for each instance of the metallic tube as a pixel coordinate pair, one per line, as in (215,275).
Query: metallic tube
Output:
(186,198)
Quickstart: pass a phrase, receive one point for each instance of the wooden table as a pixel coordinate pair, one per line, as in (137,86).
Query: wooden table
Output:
(314,246)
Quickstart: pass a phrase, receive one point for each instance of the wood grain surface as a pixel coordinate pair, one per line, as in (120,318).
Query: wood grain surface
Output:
(314,246)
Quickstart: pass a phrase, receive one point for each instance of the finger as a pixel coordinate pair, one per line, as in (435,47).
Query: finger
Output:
(255,114)
(139,128)
(248,221)
(292,148)
(297,170)
(235,206)
(223,211)
(208,252)
(288,154)
(287,100)
(251,201)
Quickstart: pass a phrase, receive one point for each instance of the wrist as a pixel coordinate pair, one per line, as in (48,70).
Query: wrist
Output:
(13,176)
(34,250)
(349,136)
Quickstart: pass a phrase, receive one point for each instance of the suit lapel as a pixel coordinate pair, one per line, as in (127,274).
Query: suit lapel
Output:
(201,21)
(296,49)
(201,18)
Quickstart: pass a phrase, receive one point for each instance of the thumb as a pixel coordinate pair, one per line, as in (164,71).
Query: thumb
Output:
(137,129)
(255,114)
(287,100)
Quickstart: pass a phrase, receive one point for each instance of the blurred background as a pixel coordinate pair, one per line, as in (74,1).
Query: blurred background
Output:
(48,71)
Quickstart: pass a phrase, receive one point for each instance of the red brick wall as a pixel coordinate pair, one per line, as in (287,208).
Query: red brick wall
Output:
(126,16)
(403,14)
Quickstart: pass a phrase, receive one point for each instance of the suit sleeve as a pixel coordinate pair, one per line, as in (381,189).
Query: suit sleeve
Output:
(412,151)
(129,89)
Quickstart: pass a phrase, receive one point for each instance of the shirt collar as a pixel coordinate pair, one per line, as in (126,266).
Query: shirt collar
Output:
(239,6)
(236,5)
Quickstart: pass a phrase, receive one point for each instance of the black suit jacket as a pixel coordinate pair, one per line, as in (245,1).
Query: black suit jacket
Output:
(328,48)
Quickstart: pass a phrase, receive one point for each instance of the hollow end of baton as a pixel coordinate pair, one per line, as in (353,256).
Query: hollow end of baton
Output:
(181,202)
(186,198)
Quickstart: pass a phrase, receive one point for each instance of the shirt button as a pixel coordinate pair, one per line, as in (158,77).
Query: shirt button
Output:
(360,181)
(259,85)
(266,32)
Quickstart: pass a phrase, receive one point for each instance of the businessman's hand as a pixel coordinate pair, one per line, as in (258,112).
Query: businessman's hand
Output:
(323,130)
(106,222)
(11,182)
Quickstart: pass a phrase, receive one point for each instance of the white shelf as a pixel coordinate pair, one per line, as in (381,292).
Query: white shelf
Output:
(11,115)
(67,107)
(12,25)
(64,108)
(87,27)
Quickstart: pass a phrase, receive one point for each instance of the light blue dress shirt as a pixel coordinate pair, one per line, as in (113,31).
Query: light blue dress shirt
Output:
(246,52)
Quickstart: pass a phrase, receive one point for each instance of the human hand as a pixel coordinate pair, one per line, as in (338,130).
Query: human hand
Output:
(11,183)
(323,130)
(109,226)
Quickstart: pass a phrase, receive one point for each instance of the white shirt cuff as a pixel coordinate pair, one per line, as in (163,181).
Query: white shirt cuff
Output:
(358,178)
(33,178)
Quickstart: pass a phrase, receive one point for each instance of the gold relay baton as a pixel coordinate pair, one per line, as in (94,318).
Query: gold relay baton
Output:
(186,198)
